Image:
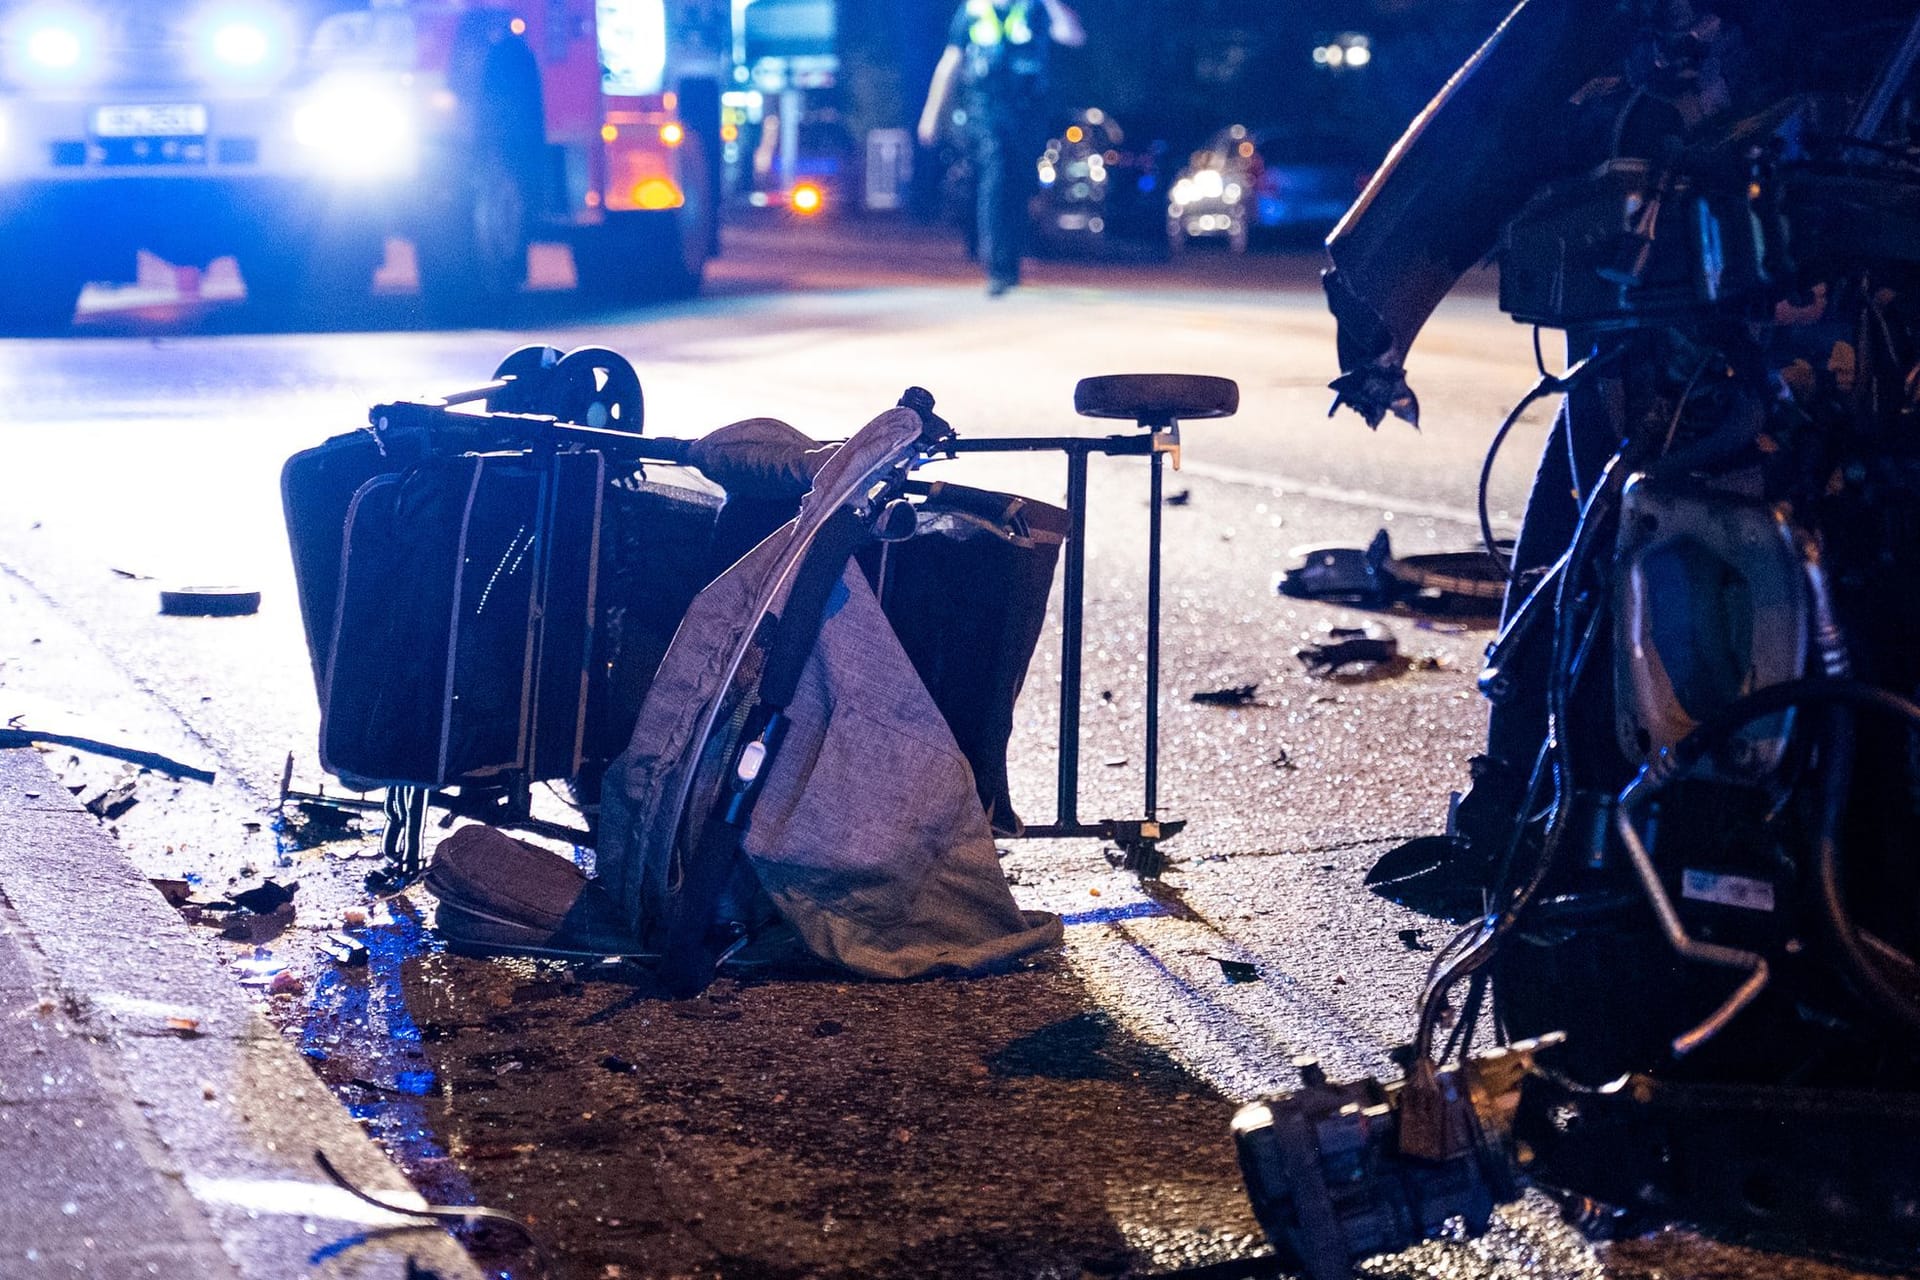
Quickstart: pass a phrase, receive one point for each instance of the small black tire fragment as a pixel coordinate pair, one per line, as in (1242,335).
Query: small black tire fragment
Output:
(209,602)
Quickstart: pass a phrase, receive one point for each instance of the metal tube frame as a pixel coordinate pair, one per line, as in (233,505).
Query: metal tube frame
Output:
(1137,838)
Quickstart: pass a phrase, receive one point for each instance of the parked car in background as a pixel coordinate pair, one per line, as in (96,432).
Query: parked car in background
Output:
(1094,189)
(1280,182)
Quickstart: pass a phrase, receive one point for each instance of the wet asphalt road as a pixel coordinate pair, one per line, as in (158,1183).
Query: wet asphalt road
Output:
(1066,1120)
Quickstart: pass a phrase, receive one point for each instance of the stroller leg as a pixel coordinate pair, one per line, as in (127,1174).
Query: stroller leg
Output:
(404,840)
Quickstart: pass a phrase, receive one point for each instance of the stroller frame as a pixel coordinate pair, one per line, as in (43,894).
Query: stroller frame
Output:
(1156,403)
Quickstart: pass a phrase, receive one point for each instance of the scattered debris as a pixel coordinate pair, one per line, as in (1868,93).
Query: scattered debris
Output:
(260,968)
(1237,971)
(1115,762)
(129,574)
(618,1065)
(345,950)
(1236,695)
(1372,645)
(827,1027)
(176,892)
(1447,582)
(266,898)
(184,1027)
(285,983)
(1410,939)
(1180,499)
(209,602)
(1344,575)
(1282,761)
(114,799)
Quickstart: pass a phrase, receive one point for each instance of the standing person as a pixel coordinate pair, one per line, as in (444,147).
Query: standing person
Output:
(999,50)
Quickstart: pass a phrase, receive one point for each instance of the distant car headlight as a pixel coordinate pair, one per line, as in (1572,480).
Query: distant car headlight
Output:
(53,44)
(358,129)
(1208,184)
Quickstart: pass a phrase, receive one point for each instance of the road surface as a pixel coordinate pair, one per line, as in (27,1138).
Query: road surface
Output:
(1066,1120)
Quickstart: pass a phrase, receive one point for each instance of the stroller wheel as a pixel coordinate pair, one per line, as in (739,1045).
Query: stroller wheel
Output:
(595,387)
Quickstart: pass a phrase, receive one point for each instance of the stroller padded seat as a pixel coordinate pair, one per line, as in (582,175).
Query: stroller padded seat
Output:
(498,894)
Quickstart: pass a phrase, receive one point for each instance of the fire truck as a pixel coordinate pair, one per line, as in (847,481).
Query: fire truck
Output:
(297,135)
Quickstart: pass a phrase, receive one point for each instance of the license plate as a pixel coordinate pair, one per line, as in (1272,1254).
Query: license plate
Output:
(151,120)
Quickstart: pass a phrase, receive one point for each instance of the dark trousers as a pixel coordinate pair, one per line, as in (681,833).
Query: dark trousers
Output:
(1003,172)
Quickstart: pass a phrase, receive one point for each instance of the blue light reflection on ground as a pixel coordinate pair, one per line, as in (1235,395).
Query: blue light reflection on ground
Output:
(1113,915)
(373,1002)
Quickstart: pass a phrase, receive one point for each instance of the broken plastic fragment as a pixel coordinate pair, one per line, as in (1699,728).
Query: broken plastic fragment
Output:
(1237,695)
(345,950)
(259,969)
(1237,971)
(1372,644)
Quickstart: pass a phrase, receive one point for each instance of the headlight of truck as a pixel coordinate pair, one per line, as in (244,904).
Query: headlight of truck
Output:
(53,44)
(355,128)
(381,39)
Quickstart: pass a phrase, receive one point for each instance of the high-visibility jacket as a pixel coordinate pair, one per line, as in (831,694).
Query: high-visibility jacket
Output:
(1006,53)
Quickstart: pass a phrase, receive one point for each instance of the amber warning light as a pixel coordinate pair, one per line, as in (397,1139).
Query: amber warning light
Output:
(807,199)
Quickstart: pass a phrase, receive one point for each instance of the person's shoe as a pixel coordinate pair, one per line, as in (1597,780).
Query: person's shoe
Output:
(997,287)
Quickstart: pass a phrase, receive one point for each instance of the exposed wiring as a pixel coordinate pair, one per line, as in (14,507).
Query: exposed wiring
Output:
(1545,387)
(1549,384)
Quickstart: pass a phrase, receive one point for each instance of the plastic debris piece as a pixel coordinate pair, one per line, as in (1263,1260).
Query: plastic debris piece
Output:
(618,1065)
(184,1027)
(345,950)
(113,800)
(1235,695)
(260,968)
(1349,575)
(209,602)
(1372,645)
(266,898)
(1237,971)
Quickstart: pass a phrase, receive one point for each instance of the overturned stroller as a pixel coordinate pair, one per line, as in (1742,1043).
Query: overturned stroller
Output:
(784,708)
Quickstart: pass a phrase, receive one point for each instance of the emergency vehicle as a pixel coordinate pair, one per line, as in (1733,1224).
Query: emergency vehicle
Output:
(297,135)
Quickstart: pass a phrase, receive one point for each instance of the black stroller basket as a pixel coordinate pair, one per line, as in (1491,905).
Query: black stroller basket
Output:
(485,596)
